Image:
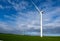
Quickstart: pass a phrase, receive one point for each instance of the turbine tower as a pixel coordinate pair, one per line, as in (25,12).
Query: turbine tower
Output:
(40,13)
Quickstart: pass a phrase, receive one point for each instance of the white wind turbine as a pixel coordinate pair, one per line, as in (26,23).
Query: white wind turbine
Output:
(40,12)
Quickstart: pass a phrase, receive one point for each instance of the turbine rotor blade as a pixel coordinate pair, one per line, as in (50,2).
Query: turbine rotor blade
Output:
(36,7)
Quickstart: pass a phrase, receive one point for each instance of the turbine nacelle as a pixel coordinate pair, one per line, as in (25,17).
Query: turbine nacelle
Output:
(41,12)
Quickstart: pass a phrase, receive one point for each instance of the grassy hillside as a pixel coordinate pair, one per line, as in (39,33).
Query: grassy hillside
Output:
(11,37)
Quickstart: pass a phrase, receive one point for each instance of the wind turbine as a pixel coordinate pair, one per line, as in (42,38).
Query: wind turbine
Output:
(40,12)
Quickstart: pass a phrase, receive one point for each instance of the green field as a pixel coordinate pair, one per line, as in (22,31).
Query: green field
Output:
(12,37)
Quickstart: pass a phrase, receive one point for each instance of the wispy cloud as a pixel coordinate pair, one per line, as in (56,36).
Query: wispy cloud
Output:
(19,6)
(1,7)
(5,26)
(52,18)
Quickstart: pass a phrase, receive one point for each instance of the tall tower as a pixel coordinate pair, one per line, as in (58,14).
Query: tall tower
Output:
(40,13)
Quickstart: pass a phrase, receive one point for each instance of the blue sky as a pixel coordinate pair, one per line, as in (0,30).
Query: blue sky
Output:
(21,17)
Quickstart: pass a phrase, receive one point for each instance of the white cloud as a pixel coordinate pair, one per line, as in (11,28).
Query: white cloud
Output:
(49,22)
(1,7)
(34,18)
(29,22)
(12,17)
(4,7)
(5,26)
(19,6)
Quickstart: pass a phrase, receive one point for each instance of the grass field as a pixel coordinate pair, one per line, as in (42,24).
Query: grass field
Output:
(12,37)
